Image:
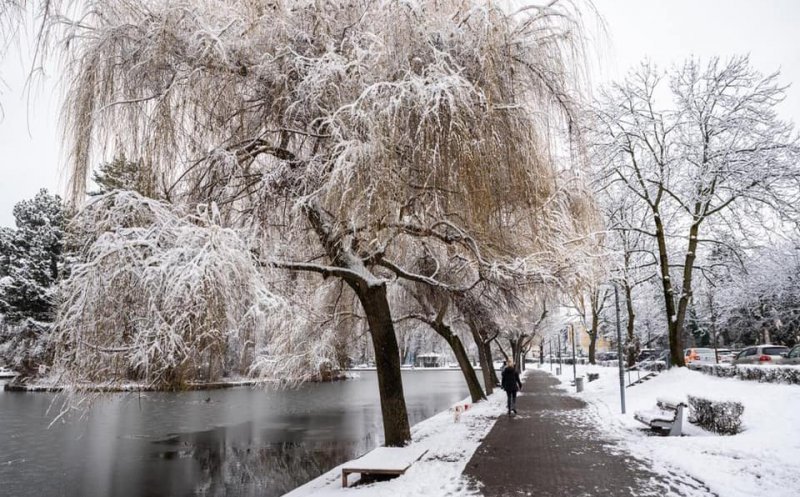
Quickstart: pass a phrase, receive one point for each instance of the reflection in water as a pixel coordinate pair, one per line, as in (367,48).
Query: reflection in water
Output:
(225,466)
(226,442)
(262,471)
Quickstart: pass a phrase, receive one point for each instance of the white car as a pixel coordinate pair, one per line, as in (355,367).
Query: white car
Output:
(764,355)
(697,357)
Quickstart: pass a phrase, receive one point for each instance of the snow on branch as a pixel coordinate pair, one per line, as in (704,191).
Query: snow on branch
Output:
(158,298)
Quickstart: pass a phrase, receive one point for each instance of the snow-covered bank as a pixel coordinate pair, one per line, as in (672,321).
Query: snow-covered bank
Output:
(52,384)
(762,460)
(450,445)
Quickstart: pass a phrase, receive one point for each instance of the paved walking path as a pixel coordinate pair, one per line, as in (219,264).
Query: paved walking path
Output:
(551,449)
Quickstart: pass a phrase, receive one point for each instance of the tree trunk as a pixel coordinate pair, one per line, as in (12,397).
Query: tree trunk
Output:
(675,331)
(592,347)
(486,363)
(492,373)
(686,294)
(632,352)
(396,429)
(516,353)
(475,390)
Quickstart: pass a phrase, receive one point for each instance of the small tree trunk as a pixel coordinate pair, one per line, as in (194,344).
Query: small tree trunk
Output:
(516,353)
(492,373)
(632,352)
(486,363)
(592,347)
(396,429)
(475,390)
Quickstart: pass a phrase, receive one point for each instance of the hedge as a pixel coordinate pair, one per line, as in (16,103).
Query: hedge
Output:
(723,417)
(763,374)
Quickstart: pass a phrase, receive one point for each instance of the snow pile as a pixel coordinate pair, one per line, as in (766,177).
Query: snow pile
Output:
(764,459)
(449,446)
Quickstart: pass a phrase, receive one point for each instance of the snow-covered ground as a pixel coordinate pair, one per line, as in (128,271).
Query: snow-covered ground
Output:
(450,445)
(762,460)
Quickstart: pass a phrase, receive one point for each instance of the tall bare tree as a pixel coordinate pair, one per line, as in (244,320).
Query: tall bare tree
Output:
(713,153)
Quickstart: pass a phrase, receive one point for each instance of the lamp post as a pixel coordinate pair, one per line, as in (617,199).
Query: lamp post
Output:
(574,368)
(558,344)
(619,354)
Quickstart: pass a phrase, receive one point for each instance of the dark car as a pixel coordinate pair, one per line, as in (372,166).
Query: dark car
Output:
(606,356)
(645,354)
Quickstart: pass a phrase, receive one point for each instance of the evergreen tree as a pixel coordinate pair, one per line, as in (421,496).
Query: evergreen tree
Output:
(123,174)
(31,259)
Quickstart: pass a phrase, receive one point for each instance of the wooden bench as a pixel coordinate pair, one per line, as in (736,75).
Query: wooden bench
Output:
(392,461)
(668,416)
(593,376)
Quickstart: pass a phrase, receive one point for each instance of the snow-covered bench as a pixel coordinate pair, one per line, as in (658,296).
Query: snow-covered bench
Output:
(668,415)
(383,461)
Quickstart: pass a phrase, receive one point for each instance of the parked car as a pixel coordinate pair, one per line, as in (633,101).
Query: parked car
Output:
(645,354)
(726,355)
(606,356)
(793,357)
(696,357)
(762,354)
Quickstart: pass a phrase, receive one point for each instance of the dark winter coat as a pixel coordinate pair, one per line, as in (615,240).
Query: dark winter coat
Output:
(510,380)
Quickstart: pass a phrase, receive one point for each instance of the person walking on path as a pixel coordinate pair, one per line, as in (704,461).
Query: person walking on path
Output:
(511,384)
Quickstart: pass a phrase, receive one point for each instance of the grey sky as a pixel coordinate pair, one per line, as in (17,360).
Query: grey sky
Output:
(666,31)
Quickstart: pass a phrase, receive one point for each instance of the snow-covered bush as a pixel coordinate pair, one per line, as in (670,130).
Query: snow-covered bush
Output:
(721,370)
(157,296)
(723,417)
(25,346)
(764,374)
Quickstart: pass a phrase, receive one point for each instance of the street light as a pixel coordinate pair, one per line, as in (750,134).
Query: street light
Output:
(619,353)
(574,370)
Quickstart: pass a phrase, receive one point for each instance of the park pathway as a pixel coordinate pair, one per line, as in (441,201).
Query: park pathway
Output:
(552,449)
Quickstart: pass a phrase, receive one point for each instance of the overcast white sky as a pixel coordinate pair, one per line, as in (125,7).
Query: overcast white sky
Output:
(666,31)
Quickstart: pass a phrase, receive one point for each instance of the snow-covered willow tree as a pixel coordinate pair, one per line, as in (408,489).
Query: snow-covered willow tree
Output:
(715,154)
(344,135)
(158,297)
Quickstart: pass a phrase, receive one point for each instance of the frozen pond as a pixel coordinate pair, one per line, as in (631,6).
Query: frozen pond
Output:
(241,441)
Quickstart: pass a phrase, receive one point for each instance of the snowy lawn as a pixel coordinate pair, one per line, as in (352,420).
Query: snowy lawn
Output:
(450,445)
(764,459)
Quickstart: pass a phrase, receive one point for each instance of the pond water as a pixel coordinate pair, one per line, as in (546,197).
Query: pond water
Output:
(240,441)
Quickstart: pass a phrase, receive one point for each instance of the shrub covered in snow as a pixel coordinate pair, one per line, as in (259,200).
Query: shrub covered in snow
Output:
(724,417)
(764,374)
(26,345)
(158,296)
